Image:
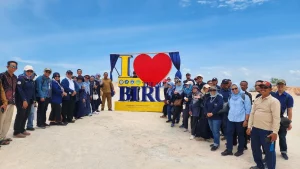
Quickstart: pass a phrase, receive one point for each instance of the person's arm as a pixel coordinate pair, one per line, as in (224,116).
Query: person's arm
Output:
(20,85)
(56,88)
(247,104)
(39,87)
(290,105)
(251,116)
(112,86)
(275,110)
(65,85)
(2,95)
(219,106)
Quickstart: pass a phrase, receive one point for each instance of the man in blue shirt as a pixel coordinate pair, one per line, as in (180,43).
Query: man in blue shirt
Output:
(215,83)
(287,103)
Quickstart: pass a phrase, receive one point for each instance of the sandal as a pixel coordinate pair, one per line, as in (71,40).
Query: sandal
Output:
(3,142)
(8,139)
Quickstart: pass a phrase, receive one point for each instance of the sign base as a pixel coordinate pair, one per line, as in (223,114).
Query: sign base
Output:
(139,106)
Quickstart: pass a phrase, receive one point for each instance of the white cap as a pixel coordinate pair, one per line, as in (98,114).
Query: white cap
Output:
(206,86)
(189,83)
(199,75)
(28,67)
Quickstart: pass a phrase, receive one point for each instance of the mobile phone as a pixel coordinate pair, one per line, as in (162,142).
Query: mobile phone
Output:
(268,140)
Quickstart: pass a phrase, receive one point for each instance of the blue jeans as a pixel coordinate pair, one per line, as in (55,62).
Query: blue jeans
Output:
(30,117)
(169,110)
(258,137)
(215,126)
(237,127)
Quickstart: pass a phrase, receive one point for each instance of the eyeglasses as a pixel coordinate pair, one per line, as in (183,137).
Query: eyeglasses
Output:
(14,67)
(233,89)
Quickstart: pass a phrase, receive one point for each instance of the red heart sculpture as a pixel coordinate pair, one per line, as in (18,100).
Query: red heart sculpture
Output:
(152,70)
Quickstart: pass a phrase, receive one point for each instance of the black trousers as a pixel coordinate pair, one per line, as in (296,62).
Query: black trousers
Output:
(21,118)
(165,110)
(68,107)
(95,105)
(186,116)
(177,111)
(194,120)
(55,114)
(42,111)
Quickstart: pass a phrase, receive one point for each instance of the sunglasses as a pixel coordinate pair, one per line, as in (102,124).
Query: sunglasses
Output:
(264,87)
(29,71)
(57,76)
(48,71)
(213,90)
(14,67)
(233,89)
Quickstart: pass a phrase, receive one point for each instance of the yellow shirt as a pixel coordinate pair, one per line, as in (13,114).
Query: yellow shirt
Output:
(107,85)
(2,95)
(265,114)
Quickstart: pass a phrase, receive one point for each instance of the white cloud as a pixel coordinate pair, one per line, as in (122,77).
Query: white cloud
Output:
(233,4)
(295,72)
(226,73)
(245,71)
(184,3)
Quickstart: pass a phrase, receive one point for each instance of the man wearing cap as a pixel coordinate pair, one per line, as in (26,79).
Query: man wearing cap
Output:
(264,123)
(108,90)
(225,92)
(215,83)
(188,78)
(68,104)
(199,81)
(43,95)
(9,82)
(287,103)
(25,96)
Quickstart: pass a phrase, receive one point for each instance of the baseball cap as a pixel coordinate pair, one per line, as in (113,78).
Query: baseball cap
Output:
(206,86)
(188,74)
(225,81)
(281,81)
(199,75)
(69,72)
(47,69)
(266,83)
(195,87)
(189,83)
(214,79)
(28,67)
(213,88)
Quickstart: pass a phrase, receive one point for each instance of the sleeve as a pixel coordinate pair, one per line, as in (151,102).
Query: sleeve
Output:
(20,85)
(65,85)
(247,104)
(76,87)
(39,87)
(190,107)
(190,98)
(56,89)
(250,122)
(290,102)
(205,108)
(275,109)
(2,95)
(219,105)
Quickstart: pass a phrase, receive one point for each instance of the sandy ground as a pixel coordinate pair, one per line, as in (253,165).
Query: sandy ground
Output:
(121,140)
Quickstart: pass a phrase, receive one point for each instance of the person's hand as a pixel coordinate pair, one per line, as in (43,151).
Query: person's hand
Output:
(25,104)
(190,113)
(245,124)
(209,114)
(248,131)
(74,93)
(175,92)
(83,100)
(4,107)
(91,97)
(42,99)
(171,104)
(186,99)
(273,137)
(65,94)
(95,87)
(290,127)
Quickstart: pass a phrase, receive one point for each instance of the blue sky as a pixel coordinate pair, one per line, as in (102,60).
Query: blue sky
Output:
(236,39)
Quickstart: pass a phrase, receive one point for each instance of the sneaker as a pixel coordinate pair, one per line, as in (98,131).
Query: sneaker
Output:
(110,110)
(30,129)
(168,121)
(284,156)
(42,127)
(26,133)
(254,167)
(239,153)
(46,125)
(181,126)
(227,153)
(186,130)
(90,114)
(98,111)
(192,137)
(214,148)
(172,125)
(212,145)
(20,135)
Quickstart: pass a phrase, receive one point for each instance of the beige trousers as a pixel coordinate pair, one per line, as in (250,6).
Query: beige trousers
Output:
(5,120)
(108,97)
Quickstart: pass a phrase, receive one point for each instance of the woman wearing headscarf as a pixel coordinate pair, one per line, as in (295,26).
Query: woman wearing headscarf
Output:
(194,109)
(211,108)
(239,110)
(55,117)
(86,84)
(187,95)
(169,95)
(176,101)
(82,96)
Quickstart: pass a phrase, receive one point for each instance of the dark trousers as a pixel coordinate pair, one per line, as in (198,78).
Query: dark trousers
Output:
(42,111)
(176,115)
(21,117)
(68,109)
(194,120)
(95,105)
(55,114)
(224,124)
(88,110)
(258,137)
(235,127)
(186,116)
(165,110)
(282,139)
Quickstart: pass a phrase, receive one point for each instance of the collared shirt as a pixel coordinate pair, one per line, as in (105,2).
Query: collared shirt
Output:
(286,101)
(265,114)
(71,84)
(107,85)
(225,93)
(239,109)
(9,84)
(2,96)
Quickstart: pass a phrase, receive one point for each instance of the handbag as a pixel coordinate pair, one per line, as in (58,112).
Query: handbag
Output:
(285,122)
(95,96)
(178,102)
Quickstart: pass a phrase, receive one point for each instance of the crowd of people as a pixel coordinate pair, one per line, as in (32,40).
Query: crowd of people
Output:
(71,99)
(229,110)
